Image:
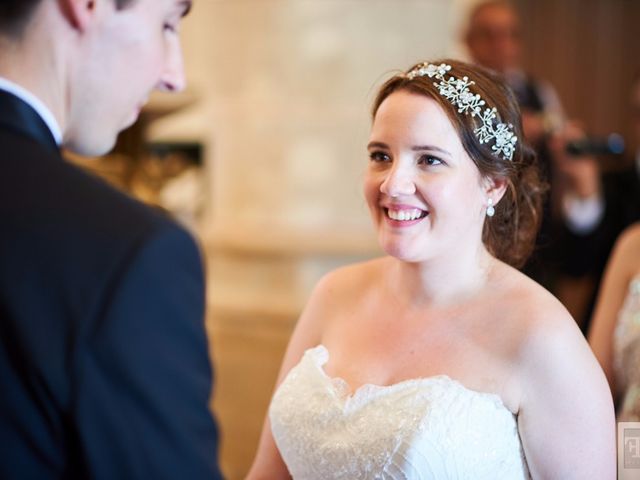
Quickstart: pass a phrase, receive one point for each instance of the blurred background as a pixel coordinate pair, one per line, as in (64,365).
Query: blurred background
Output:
(262,157)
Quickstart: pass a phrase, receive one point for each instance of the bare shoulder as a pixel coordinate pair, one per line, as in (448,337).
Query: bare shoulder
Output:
(537,310)
(345,283)
(627,248)
(545,331)
(336,291)
(563,394)
(552,335)
(630,237)
(552,347)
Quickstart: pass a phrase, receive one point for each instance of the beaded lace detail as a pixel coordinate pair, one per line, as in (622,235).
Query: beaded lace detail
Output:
(626,355)
(427,428)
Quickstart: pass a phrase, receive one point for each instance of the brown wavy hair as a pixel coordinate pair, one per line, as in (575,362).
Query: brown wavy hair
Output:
(511,233)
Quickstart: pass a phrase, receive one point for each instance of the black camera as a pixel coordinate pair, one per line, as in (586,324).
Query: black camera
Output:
(611,145)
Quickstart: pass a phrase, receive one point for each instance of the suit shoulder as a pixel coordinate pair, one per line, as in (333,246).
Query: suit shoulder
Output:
(60,215)
(111,202)
(97,209)
(39,187)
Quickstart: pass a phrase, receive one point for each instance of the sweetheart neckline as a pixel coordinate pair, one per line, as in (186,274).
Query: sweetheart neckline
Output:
(410,381)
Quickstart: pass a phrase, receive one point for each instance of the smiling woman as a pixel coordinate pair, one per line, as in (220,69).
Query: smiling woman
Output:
(441,360)
(510,234)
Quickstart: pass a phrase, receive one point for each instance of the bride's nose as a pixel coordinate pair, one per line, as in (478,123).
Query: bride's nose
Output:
(398,181)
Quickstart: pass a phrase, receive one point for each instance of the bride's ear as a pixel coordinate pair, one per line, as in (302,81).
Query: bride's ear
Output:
(494,188)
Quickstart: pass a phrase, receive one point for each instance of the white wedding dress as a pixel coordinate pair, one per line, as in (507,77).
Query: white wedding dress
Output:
(427,428)
(626,355)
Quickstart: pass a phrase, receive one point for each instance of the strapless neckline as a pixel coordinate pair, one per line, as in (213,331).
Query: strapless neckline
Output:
(348,394)
(426,428)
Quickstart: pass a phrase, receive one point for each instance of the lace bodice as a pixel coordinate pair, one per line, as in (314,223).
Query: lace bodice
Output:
(626,354)
(427,428)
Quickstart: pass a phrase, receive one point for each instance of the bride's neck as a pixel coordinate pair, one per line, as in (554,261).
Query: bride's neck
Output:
(441,281)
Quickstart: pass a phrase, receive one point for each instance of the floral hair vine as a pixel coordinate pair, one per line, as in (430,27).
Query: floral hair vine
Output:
(457,91)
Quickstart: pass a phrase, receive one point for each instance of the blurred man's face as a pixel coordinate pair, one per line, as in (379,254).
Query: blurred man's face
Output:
(494,38)
(126,55)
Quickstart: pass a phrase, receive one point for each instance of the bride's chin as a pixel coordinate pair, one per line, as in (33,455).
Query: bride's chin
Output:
(403,253)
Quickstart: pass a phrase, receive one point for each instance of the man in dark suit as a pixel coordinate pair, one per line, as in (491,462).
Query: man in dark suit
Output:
(104,367)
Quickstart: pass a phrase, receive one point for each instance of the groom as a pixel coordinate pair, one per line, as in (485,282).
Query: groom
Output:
(104,368)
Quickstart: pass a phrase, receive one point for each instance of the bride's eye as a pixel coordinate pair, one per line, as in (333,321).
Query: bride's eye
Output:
(429,160)
(379,156)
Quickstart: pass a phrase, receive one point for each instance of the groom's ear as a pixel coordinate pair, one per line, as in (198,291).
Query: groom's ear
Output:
(80,13)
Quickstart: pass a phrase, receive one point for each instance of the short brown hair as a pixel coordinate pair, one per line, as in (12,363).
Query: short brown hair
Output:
(509,235)
(15,14)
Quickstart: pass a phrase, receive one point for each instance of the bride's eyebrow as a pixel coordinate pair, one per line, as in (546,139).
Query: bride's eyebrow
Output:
(377,145)
(430,148)
(415,148)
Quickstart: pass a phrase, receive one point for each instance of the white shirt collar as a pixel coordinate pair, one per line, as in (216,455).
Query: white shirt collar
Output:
(36,104)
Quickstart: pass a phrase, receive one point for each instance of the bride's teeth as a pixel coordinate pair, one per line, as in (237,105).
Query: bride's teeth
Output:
(404,215)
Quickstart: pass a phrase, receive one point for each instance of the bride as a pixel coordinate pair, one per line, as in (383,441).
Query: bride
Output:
(441,360)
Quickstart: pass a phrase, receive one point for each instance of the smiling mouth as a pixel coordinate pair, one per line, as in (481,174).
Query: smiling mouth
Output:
(405,215)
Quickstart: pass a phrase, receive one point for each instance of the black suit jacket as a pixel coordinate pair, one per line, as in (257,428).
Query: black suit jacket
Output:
(104,366)
(588,254)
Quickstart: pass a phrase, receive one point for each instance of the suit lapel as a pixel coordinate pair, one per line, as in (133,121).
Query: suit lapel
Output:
(20,117)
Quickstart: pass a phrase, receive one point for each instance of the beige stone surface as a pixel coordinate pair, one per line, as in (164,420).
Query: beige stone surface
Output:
(285,88)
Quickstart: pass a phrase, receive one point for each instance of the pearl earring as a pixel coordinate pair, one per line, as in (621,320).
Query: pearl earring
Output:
(491,211)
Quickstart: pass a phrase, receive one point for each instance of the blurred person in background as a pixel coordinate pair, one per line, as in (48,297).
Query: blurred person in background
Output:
(493,40)
(605,202)
(615,331)
(571,250)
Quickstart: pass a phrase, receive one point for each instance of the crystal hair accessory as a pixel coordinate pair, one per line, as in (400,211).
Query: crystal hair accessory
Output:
(457,91)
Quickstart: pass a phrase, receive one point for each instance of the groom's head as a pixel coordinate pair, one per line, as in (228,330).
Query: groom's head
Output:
(93,62)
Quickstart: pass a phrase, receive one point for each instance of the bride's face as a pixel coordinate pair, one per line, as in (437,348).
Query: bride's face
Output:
(425,194)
